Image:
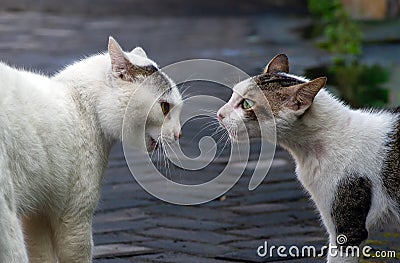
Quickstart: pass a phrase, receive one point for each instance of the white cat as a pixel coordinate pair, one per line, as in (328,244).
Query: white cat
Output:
(55,137)
(348,160)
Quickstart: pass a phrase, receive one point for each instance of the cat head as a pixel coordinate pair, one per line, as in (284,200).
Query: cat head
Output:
(273,99)
(139,97)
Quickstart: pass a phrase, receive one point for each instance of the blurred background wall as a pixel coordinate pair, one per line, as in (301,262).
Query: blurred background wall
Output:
(154,7)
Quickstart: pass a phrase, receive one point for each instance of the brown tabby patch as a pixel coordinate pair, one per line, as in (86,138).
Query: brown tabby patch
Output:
(271,84)
(134,71)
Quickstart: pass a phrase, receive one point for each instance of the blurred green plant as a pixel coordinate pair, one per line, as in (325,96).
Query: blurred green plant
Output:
(340,34)
(360,85)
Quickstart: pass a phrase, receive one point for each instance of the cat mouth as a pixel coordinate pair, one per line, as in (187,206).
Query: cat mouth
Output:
(222,124)
(152,144)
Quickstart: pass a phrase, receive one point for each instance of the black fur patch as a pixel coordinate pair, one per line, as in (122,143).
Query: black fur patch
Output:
(275,81)
(350,209)
(134,71)
(271,84)
(391,167)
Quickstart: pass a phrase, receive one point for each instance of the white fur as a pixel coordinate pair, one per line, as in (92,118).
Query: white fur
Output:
(329,142)
(334,141)
(55,137)
(300,78)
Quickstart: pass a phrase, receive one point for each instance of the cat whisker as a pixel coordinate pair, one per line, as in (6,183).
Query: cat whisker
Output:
(167,162)
(207,125)
(202,117)
(168,145)
(218,130)
(227,139)
(210,111)
(185,88)
(219,140)
(187,95)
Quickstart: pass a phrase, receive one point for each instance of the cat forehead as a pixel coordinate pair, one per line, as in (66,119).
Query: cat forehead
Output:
(166,87)
(174,96)
(155,76)
(244,86)
(272,82)
(268,82)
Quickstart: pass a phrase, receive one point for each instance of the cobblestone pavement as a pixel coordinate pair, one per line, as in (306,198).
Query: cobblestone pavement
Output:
(142,228)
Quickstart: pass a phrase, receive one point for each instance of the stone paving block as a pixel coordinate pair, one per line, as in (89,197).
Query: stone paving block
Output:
(190,235)
(280,186)
(169,257)
(123,226)
(273,219)
(304,260)
(250,255)
(116,163)
(271,207)
(266,231)
(120,203)
(259,208)
(189,247)
(131,192)
(120,215)
(118,237)
(247,256)
(121,250)
(195,212)
(299,240)
(118,175)
(185,223)
(107,191)
(240,190)
(279,196)
(280,177)
(113,260)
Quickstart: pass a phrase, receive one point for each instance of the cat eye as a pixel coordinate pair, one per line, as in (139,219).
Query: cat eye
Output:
(246,104)
(165,107)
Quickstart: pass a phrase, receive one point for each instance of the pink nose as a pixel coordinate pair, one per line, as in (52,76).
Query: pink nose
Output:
(220,116)
(177,136)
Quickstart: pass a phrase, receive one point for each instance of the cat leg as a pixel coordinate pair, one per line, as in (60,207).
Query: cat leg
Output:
(12,246)
(38,236)
(73,240)
(349,214)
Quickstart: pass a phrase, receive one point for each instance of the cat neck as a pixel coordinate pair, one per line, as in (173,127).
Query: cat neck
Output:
(86,80)
(88,75)
(330,132)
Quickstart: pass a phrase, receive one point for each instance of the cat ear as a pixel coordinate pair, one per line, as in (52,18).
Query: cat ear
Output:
(119,61)
(139,51)
(280,63)
(300,97)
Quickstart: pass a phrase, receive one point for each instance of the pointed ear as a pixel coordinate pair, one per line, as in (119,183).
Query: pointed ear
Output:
(300,97)
(139,51)
(120,64)
(280,63)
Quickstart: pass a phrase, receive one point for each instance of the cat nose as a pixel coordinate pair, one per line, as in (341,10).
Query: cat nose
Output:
(177,135)
(220,116)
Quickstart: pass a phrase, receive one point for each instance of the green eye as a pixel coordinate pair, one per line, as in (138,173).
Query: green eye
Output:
(164,107)
(247,104)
